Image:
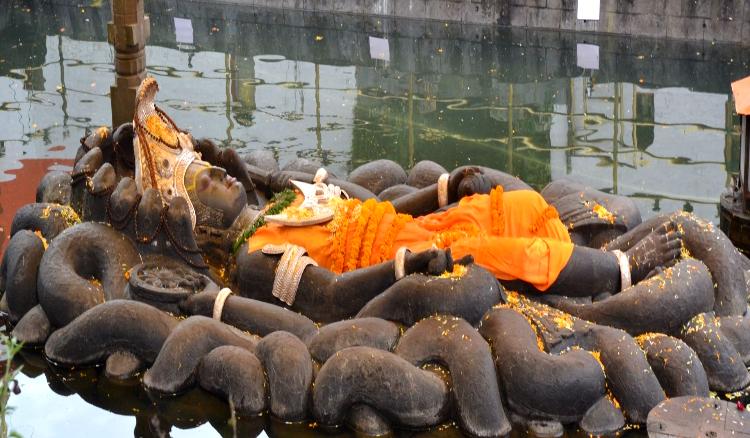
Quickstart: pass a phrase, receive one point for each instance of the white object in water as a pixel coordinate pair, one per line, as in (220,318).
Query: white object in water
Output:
(380,49)
(588,56)
(183,30)
(588,9)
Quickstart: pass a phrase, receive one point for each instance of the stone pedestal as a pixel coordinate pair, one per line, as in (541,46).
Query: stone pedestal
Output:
(735,221)
(127,32)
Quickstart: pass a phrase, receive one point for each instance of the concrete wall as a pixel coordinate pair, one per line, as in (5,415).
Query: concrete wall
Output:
(709,20)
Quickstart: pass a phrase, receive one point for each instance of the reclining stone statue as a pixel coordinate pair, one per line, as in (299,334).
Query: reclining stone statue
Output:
(490,280)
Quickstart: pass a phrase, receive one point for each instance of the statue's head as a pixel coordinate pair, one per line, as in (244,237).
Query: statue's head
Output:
(165,159)
(473,181)
(217,198)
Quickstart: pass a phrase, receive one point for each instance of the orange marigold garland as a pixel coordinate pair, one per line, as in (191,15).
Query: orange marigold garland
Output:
(548,213)
(398,224)
(602,212)
(355,241)
(339,228)
(496,209)
(445,239)
(370,233)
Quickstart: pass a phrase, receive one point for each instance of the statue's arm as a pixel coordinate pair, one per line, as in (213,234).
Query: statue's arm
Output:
(324,295)
(591,271)
(508,181)
(277,181)
(423,201)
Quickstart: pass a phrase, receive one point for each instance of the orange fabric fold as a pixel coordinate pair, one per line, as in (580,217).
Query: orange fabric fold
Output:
(741,92)
(515,235)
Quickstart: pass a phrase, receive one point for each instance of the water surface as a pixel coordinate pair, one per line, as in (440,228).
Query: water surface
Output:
(645,118)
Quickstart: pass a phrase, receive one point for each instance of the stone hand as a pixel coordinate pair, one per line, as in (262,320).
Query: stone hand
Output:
(431,262)
(280,181)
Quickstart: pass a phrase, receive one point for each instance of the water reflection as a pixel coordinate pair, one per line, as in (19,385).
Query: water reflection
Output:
(654,121)
(84,402)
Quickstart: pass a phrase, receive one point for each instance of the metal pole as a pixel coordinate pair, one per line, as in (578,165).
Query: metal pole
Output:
(127,32)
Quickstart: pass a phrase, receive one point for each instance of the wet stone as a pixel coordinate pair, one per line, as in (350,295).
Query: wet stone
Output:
(545,429)
(697,416)
(603,418)
(122,365)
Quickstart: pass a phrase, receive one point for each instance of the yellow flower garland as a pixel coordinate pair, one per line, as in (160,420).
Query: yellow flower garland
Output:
(387,246)
(339,228)
(445,239)
(370,234)
(355,241)
(548,213)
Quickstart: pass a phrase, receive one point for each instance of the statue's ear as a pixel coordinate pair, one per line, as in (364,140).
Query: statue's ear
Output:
(202,182)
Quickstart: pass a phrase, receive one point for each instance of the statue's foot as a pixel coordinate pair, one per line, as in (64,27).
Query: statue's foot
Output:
(659,248)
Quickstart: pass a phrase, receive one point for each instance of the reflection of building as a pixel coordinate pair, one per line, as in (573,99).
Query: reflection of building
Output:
(243,85)
(308,87)
(665,147)
(643,113)
(473,121)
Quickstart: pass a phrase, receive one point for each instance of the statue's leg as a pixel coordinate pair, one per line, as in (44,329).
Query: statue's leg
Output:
(252,316)
(660,304)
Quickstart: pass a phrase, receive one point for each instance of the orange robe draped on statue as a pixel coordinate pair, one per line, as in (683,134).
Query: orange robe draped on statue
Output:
(515,235)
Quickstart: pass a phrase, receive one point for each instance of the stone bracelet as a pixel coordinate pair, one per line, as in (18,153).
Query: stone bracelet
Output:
(625,278)
(221,298)
(442,189)
(399,268)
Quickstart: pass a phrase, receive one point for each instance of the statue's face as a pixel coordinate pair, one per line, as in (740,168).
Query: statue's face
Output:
(218,190)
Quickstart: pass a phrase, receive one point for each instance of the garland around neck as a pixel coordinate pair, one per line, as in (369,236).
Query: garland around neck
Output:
(279,202)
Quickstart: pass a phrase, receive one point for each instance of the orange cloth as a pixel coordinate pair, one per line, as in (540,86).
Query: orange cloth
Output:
(741,92)
(514,235)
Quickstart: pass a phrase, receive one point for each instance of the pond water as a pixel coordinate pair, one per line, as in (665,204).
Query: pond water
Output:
(645,118)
